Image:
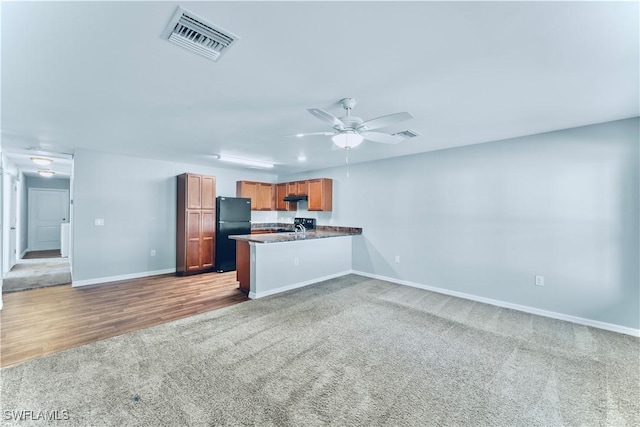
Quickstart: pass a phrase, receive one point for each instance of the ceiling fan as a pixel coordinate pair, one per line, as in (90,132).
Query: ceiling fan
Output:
(349,131)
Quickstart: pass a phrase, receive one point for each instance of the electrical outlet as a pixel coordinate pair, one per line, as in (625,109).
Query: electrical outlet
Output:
(98,222)
(539,281)
(153,252)
(296,261)
(397,259)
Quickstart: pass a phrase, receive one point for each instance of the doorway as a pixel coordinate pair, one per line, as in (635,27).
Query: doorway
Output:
(36,212)
(48,210)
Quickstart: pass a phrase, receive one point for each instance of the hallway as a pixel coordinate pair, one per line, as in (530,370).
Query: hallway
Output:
(37,269)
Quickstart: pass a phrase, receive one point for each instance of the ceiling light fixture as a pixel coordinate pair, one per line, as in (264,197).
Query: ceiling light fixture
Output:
(302,158)
(347,139)
(46,173)
(42,161)
(254,163)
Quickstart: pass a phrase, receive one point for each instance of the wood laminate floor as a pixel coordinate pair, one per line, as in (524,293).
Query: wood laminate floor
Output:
(43,321)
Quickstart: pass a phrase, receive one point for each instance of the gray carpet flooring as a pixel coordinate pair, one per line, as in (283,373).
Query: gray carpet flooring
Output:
(351,351)
(37,273)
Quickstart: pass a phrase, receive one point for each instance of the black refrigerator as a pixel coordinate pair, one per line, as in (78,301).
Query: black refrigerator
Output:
(233,216)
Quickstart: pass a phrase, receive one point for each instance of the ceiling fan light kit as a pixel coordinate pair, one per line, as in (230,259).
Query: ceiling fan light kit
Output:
(347,139)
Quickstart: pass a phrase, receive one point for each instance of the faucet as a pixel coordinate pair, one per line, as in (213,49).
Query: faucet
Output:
(302,229)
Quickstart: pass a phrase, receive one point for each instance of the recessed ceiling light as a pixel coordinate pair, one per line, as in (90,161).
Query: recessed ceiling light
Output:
(46,173)
(300,135)
(247,162)
(42,161)
(302,158)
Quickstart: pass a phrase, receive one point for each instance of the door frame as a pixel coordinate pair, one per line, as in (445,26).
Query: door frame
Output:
(30,212)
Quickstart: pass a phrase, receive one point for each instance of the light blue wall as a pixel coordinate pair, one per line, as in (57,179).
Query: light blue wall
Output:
(137,199)
(484,219)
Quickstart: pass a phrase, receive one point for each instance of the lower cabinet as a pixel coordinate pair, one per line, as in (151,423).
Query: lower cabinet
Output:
(243,261)
(243,265)
(196,241)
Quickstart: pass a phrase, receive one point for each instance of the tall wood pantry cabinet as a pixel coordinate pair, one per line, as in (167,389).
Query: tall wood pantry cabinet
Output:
(196,227)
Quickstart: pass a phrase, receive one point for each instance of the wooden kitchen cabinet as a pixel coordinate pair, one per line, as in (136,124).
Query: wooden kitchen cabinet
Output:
(297,188)
(201,191)
(262,194)
(320,194)
(281,193)
(266,196)
(269,197)
(292,188)
(243,261)
(196,224)
(248,189)
(302,188)
(243,265)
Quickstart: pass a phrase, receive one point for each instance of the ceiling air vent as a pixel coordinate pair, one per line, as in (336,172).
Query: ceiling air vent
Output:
(194,33)
(407,133)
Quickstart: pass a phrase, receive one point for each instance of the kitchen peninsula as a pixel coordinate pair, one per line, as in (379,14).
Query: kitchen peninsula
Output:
(276,262)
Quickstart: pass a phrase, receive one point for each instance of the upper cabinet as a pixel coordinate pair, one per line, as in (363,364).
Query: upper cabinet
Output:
(320,194)
(269,197)
(266,196)
(200,191)
(302,188)
(248,189)
(262,194)
(281,193)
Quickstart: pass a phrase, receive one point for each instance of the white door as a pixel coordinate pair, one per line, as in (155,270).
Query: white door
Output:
(48,209)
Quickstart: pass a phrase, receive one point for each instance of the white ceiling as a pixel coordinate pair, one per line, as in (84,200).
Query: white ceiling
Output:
(97,75)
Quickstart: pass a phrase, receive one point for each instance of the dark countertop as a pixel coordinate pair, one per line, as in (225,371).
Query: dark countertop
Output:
(321,232)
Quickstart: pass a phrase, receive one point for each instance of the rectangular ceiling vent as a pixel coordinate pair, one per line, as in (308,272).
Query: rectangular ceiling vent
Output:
(196,34)
(407,133)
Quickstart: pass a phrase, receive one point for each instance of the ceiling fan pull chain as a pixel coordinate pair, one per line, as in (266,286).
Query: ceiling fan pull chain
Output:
(346,160)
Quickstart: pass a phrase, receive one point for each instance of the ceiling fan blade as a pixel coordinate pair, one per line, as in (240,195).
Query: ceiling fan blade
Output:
(323,115)
(383,121)
(383,138)
(300,135)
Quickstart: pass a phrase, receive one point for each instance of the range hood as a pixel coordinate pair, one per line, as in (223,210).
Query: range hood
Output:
(295,198)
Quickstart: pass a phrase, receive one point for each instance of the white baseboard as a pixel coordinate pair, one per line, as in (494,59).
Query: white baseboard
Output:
(99,280)
(23,253)
(254,295)
(560,316)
